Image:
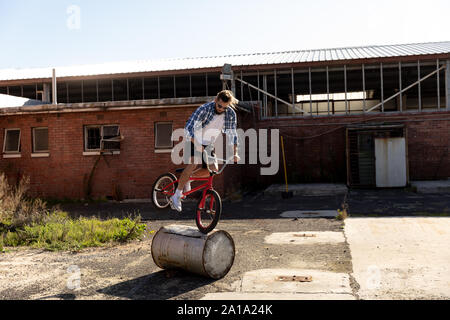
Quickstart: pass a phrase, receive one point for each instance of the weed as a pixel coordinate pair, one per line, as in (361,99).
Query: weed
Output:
(342,214)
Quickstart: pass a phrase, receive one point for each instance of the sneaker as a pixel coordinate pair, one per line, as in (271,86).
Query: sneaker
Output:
(175,203)
(187,188)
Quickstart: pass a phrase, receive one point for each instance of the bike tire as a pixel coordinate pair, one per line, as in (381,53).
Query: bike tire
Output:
(215,207)
(158,199)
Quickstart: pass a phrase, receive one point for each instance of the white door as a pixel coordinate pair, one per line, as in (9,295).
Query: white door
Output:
(390,162)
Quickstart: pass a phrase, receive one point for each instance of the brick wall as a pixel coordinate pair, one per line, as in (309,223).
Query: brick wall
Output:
(322,158)
(315,148)
(66,171)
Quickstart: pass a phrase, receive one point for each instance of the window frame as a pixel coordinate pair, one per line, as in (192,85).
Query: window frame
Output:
(34,140)
(101,126)
(19,142)
(162,148)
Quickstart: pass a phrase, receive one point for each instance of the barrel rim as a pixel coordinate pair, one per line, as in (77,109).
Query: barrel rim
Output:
(232,260)
(151,249)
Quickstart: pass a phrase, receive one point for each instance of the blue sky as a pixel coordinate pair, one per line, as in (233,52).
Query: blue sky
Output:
(57,33)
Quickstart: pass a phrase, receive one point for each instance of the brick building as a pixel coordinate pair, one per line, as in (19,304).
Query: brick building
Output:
(375,116)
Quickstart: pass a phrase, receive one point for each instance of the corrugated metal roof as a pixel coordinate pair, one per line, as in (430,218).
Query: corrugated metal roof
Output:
(299,56)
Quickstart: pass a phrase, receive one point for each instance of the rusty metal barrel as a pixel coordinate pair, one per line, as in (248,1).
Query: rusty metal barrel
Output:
(183,247)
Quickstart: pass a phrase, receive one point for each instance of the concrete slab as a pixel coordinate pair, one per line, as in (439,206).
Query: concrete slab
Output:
(400,258)
(310,214)
(276,296)
(323,282)
(439,186)
(307,189)
(299,238)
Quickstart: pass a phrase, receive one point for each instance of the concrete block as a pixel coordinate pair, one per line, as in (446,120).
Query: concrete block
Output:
(325,282)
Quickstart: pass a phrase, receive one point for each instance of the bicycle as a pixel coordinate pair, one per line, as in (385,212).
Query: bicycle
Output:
(209,207)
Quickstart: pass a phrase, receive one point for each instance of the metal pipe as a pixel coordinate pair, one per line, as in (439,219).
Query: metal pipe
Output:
(437,84)
(174,87)
(143,89)
(112,89)
(364,86)
(275,87)
(159,90)
(267,93)
(328,92)
(345,88)
(259,97)
(382,87)
(420,91)
(265,96)
(310,91)
(447,83)
(407,88)
(54,91)
(400,84)
(242,88)
(293,90)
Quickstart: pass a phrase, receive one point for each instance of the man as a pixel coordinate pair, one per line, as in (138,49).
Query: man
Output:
(213,119)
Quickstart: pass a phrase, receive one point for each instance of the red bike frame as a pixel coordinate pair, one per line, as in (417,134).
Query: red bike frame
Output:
(206,186)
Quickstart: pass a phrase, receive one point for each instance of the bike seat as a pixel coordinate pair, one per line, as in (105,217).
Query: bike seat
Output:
(179,170)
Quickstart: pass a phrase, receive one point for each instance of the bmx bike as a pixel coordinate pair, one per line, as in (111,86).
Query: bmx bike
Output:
(209,207)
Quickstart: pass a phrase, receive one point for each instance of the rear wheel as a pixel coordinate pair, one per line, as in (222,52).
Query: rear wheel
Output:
(208,213)
(163,188)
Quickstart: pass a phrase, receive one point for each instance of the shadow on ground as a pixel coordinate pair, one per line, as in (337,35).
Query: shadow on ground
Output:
(157,286)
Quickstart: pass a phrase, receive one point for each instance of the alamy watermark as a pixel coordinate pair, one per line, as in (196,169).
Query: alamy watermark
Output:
(258,146)
(73,21)
(74,280)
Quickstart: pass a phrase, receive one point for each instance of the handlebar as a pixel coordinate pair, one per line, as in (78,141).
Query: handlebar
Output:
(226,162)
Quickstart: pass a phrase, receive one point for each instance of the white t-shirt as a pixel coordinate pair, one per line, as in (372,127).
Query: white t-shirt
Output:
(213,129)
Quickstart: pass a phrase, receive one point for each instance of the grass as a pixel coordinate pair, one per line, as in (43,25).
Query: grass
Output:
(59,232)
(29,222)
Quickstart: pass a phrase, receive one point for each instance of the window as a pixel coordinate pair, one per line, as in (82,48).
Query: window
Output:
(101,137)
(40,140)
(163,135)
(11,143)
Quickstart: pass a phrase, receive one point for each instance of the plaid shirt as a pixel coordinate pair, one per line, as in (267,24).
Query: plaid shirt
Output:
(204,114)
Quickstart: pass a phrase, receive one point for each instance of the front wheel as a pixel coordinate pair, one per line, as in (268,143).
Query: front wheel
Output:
(208,211)
(163,188)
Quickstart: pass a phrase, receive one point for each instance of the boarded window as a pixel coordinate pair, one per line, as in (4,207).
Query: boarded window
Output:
(12,141)
(40,139)
(163,135)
